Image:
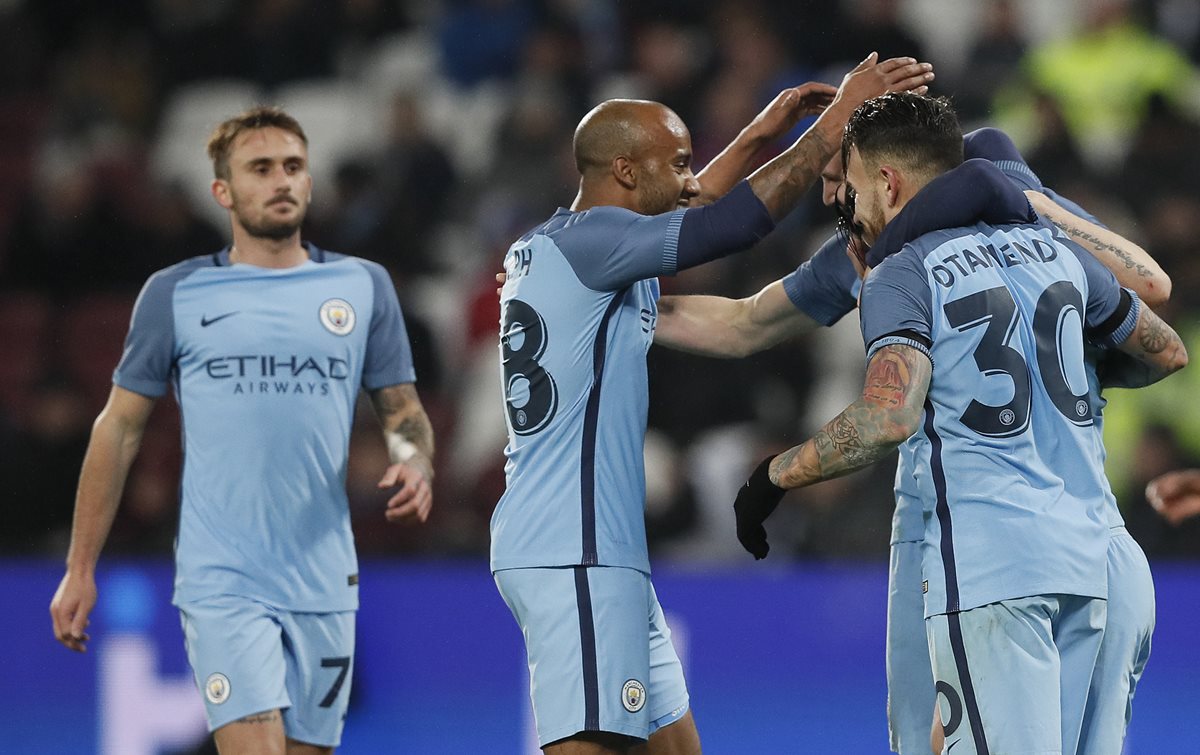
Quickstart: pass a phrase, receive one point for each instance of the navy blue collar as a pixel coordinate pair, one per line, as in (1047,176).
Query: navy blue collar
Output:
(974,192)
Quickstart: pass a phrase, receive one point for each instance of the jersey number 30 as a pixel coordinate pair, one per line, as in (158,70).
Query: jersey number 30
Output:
(530,394)
(994,355)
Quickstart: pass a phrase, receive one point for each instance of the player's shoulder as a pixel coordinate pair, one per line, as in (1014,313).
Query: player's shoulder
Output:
(168,277)
(337,260)
(600,220)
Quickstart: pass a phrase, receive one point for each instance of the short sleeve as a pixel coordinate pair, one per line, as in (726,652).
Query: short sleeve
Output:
(638,246)
(149,354)
(826,286)
(896,304)
(388,359)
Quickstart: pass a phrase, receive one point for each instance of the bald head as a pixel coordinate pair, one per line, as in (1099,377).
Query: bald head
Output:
(622,127)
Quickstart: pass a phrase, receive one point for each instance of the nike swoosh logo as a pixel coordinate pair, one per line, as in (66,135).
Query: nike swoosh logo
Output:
(951,747)
(205,322)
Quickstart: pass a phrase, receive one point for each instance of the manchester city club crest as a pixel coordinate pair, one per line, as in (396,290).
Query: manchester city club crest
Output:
(216,688)
(337,316)
(633,696)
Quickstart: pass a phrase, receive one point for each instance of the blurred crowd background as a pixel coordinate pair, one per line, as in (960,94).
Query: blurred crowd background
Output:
(440,130)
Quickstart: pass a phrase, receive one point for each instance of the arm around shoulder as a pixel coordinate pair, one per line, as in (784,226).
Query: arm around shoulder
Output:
(719,327)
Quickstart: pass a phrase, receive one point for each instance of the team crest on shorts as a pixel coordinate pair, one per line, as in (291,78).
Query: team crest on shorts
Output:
(337,316)
(633,696)
(216,688)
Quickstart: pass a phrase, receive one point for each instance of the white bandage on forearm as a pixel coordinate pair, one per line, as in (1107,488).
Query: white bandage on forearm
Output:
(401,450)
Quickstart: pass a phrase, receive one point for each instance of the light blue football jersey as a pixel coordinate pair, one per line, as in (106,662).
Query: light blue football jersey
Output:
(266,365)
(578,311)
(1006,463)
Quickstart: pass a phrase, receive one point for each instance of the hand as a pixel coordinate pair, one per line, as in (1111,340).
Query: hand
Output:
(870,79)
(755,502)
(783,113)
(69,609)
(1175,495)
(414,499)
(500,278)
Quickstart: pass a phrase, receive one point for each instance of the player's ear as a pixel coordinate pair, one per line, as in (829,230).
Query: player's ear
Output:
(220,192)
(893,181)
(623,171)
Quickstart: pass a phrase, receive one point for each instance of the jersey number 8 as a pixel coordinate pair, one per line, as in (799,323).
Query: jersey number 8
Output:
(530,394)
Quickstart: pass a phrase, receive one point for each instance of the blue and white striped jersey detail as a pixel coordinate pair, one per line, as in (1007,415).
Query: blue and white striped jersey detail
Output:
(1006,464)
(266,366)
(578,311)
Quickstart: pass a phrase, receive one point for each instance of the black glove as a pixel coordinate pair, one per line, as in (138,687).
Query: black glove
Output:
(755,502)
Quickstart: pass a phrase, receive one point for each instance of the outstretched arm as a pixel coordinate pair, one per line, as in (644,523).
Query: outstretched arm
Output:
(116,437)
(1134,268)
(409,438)
(715,326)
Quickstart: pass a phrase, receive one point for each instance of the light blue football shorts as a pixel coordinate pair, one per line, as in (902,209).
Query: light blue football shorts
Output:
(249,658)
(1013,676)
(909,673)
(1124,649)
(599,651)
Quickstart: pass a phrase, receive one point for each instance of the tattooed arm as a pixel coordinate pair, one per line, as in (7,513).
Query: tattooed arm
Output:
(409,438)
(1134,268)
(886,414)
(1158,349)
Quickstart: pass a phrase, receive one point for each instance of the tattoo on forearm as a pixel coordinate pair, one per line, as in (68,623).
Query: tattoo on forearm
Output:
(786,178)
(1121,254)
(400,412)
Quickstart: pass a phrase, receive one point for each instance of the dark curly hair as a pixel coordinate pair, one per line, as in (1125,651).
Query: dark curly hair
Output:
(920,133)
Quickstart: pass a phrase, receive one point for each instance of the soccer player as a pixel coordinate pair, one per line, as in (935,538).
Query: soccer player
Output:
(577,316)
(265,344)
(825,288)
(1005,456)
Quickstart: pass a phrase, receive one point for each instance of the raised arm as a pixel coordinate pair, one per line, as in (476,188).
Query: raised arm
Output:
(715,326)
(780,183)
(884,416)
(409,438)
(116,437)
(1134,268)
(781,115)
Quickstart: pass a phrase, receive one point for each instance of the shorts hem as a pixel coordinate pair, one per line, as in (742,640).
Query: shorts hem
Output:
(638,732)
(216,722)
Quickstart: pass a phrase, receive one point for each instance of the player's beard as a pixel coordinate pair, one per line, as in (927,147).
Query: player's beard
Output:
(657,198)
(263,228)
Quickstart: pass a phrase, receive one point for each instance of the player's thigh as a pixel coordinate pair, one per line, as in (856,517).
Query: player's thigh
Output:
(1124,649)
(666,689)
(235,648)
(256,734)
(1078,632)
(997,677)
(587,643)
(679,737)
(909,675)
(319,649)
